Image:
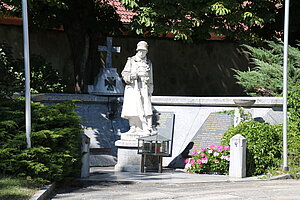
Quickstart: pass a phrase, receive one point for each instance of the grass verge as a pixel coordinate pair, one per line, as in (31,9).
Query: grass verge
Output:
(12,188)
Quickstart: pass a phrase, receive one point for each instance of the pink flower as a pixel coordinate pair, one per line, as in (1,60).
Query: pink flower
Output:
(203,148)
(199,161)
(194,152)
(212,146)
(202,155)
(186,161)
(201,165)
(192,162)
(204,160)
(220,148)
(227,147)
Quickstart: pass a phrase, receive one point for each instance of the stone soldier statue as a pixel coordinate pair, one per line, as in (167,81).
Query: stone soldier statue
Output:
(137,107)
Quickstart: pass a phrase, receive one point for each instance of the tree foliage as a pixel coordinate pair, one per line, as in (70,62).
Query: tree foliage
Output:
(244,20)
(56,13)
(85,23)
(8,82)
(265,79)
(43,77)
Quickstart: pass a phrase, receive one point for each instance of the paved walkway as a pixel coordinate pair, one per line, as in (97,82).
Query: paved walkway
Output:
(104,183)
(169,176)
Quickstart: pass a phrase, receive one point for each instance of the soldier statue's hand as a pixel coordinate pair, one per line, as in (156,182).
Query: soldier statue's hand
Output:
(142,74)
(134,76)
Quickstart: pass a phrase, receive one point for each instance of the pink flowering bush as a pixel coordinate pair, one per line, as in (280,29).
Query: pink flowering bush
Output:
(214,158)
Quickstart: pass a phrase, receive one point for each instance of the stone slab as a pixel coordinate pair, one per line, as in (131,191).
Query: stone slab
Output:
(212,130)
(216,101)
(274,116)
(102,131)
(164,123)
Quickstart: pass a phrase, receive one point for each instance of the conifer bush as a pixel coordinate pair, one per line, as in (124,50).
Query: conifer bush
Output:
(56,141)
(265,78)
(56,130)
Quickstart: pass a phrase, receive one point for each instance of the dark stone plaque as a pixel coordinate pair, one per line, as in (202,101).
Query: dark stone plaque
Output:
(212,130)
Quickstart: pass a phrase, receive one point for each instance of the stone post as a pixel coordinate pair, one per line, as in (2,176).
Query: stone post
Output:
(85,149)
(237,166)
(237,117)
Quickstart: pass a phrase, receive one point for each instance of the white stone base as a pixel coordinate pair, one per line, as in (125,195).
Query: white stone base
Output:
(128,159)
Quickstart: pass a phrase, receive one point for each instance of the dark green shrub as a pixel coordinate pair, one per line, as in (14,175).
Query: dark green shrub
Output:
(8,80)
(56,141)
(264,145)
(43,77)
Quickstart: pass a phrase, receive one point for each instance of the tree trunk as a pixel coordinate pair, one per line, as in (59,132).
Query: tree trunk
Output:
(83,43)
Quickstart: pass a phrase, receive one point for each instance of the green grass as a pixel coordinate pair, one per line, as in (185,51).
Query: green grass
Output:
(17,188)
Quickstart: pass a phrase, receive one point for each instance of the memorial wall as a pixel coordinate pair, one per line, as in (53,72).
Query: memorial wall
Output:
(198,119)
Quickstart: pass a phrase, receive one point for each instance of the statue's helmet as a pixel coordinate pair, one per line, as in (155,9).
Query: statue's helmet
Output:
(142,45)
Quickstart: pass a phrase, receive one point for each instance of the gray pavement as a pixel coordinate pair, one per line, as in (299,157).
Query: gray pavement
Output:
(104,183)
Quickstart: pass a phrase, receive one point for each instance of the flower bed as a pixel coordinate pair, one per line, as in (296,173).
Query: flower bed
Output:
(213,159)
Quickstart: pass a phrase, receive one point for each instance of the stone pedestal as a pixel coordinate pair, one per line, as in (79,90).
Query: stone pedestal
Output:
(237,166)
(107,82)
(128,158)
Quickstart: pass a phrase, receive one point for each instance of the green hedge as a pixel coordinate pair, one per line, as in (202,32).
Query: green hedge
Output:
(56,141)
(264,145)
(294,128)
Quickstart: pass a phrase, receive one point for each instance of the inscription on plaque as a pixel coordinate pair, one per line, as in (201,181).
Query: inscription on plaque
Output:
(212,130)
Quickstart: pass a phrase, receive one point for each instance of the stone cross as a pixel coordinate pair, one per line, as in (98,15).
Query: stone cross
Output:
(109,50)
